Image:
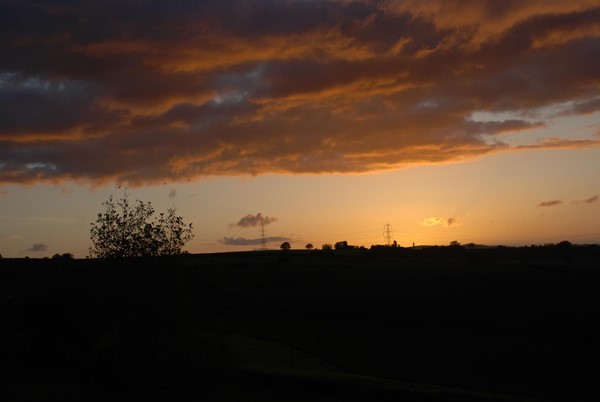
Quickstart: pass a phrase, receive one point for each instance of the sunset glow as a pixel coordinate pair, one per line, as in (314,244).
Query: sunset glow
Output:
(474,121)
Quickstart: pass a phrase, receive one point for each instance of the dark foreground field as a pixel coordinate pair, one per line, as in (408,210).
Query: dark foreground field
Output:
(441,325)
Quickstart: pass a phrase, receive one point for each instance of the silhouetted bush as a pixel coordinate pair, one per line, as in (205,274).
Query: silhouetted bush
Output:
(126,230)
(343,245)
(340,245)
(64,256)
(565,244)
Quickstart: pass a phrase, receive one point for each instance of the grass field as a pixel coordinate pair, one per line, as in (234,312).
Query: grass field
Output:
(436,325)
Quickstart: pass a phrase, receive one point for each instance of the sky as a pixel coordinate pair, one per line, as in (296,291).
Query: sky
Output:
(457,120)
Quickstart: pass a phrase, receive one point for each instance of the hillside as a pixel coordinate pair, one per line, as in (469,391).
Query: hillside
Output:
(428,325)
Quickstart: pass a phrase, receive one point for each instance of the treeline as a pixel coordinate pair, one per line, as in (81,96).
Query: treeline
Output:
(564,251)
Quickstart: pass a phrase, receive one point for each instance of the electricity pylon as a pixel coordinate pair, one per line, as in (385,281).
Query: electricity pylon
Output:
(387,233)
(263,237)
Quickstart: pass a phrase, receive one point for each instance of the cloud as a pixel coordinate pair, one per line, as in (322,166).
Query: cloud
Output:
(4,192)
(549,203)
(176,92)
(9,236)
(586,201)
(435,220)
(172,193)
(38,248)
(253,221)
(242,241)
(35,220)
(584,107)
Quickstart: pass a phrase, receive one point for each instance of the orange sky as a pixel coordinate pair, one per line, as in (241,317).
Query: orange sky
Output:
(162,96)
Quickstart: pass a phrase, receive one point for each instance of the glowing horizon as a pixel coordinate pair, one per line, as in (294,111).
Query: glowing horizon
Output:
(474,121)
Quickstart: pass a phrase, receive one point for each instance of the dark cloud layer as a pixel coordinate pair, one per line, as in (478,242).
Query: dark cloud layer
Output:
(152,91)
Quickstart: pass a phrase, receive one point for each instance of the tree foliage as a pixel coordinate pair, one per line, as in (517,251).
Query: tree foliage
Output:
(128,229)
(64,256)
(341,245)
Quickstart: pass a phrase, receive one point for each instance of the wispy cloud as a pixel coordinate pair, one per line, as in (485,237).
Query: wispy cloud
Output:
(34,220)
(9,236)
(242,241)
(551,203)
(436,220)
(245,88)
(586,201)
(583,107)
(253,221)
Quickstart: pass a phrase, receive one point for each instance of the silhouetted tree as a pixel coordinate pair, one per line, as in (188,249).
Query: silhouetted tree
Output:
(326,246)
(126,230)
(340,245)
(565,244)
(64,256)
(285,245)
(309,246)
